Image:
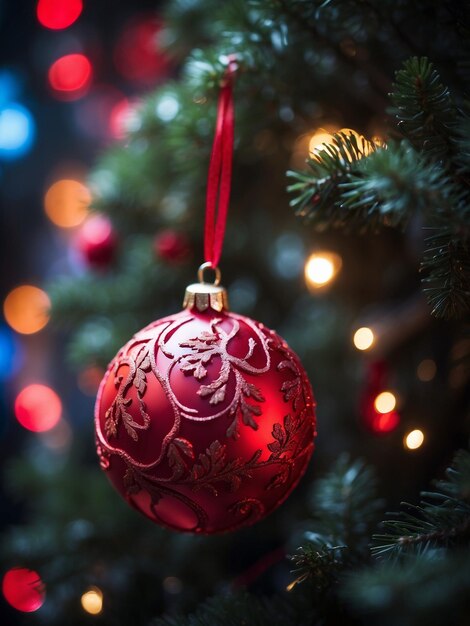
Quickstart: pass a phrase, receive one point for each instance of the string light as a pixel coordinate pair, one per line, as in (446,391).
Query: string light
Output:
(319,138)
(385,402)
(70,76)
(363,338)
(26,309)
(321,268)
(58,14)
(66,203)
(414,439)
(38,408)
(23,589)
(92,601)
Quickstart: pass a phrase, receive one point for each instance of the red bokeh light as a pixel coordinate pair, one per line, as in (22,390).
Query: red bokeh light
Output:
(70,76)
(38,408)
(58,14)
(119,118)
(23,589)
(385,422)
(137,56)
(97,241)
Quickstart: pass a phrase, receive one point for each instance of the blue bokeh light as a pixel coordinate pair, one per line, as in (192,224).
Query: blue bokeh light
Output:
(11,354)
(17,131)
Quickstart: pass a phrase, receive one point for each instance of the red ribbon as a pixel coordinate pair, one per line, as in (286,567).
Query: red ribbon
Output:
(220,171)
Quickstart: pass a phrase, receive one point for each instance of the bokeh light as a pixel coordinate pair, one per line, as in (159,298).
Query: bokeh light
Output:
(23,589)
(70,76)
(66,203)
(383,423)
(324,136)
(96,241)
(38,408)
(58,14)
(321,268)
(123,118)
(26,309)
(17,131)
(363,338)
(137,56)
(426,370)
(320,137)
(414,439)
(11,354)
(385,402)
(92,601)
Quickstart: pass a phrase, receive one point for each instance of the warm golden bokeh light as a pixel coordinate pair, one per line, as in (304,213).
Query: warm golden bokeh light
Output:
(321,268)
(385,402)
(414,439)
(363,338)
(92,601)
(26,309)
(320,137)
(426,370)
(66,203)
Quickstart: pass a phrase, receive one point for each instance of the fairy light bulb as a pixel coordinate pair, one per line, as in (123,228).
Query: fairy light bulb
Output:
(363,338)
(321,268)
(385,402)
(414,439)
(92,601)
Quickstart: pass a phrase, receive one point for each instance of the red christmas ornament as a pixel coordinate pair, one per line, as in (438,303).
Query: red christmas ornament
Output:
(97,242)
(172,246)
(205,419)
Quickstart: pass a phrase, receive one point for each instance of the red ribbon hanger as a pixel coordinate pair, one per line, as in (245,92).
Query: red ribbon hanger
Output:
(220,170)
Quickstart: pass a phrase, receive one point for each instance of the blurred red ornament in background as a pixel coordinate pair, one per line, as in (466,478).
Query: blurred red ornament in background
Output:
(58,14)
(70,76)
(205,419)
(23,589)
(137,55)
(97,242)
(172,246)
(378,421)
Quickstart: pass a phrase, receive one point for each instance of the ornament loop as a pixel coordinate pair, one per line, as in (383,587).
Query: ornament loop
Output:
(205,266)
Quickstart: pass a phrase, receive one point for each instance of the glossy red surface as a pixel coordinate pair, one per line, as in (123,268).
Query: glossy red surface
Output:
(205,421)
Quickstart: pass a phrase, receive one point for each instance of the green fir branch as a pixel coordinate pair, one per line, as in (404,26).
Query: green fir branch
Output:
(344,506)
(441,520)
(318,192)
(244,608)
(423,109)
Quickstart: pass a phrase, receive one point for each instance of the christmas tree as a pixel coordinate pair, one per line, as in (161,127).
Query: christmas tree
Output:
(348,233)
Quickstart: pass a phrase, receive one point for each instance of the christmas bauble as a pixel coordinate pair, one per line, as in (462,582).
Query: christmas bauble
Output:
(172,246)
(205,419)
(97,242)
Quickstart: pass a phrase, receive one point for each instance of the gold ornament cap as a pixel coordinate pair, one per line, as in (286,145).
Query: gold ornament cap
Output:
(202,296)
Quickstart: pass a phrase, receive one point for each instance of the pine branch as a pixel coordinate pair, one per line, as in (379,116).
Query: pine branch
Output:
(344,506)
(319,191)
(446,262)
(441,520)
(424,110)
(431,590)
(244,608)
